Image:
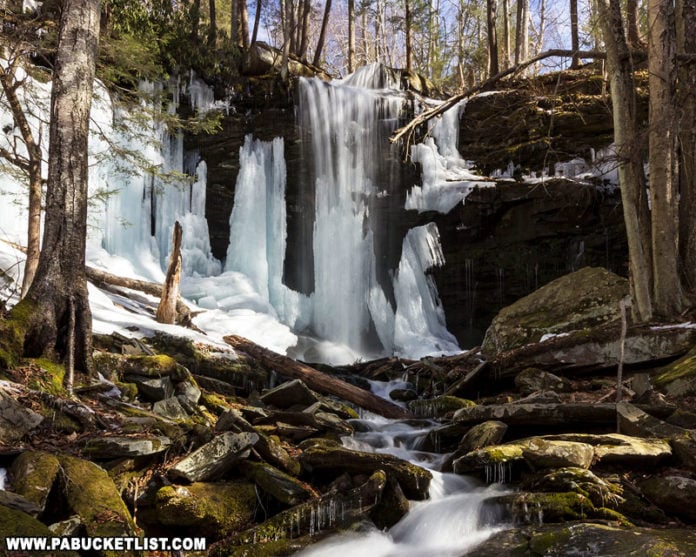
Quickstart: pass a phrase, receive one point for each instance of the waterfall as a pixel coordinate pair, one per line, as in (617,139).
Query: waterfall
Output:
(365,294)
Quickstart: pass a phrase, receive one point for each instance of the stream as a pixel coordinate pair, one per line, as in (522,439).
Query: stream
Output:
(448,524)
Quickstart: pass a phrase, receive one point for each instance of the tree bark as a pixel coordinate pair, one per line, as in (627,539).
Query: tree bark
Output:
(212,31)
(662,72)
(492,38)
(686,116)
(351,36)
(317,380)
(632,24)
(60,285)
(257,21)
(31,165)
(630,155)
(244,24)
(507,62)
(234,22)
(522,35)
(409,39)
(574,33)
(322,34)
(195,19)
(166,311)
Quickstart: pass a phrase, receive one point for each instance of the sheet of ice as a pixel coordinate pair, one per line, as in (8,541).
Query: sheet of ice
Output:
(446,178)
(420,327)
(3,478)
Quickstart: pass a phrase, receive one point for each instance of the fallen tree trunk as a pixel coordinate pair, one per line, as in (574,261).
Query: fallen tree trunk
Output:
(108,281)
(317,380)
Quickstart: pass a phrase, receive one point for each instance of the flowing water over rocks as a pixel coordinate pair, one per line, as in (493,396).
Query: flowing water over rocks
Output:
(449,523)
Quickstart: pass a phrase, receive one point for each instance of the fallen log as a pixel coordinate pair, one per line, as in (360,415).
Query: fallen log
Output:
(317,380)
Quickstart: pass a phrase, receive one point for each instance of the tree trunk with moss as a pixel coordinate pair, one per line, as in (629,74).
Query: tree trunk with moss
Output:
(41,322)
(166,310)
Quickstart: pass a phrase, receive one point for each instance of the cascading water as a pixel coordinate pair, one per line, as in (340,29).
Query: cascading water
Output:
(448,524)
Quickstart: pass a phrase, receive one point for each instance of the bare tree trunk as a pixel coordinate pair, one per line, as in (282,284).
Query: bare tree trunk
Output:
(212,31)
(288,39)
(306,11)
(322,34)
(686,101)
(522,35)
(166,311)
(234,22)
(631,176)
(244,24)
(492,38)
(351,36)
(409,38)
(507,61)
(195,19)
(257,21)
(662,72)
(60,286)
(31,165)
(574,33)
(632,24)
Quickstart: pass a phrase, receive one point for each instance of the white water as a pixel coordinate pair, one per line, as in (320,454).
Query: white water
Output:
(447,524)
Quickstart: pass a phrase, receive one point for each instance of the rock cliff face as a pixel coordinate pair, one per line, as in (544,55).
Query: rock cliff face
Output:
(503,242)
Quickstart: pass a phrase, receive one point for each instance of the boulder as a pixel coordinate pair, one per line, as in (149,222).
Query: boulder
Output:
(495,460)
(268,447)
(152,388)
(542,414)
(15,420)
(210,509)
(483,435)
(392,507)
(531,380)
(261,58)
(673,494)
(91,494)
(108,447)
(590,539)
(152,366)
(679,377)
(413,479)
(403,395)
(595,349)
(601,492)
(439,406)
(617,448)
(188,390)
(16,502)
(540,508)
(18,523)
(580,300)
(325,514)
(171,408)
(683,441)
(34,473)
(290,393)
(214,458)
(279,485)
(545,453)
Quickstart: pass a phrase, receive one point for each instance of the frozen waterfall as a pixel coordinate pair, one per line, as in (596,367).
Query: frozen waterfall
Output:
(356,299)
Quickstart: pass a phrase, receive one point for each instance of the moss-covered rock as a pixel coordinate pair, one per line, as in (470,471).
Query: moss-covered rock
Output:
(673,494)
(601,492)
(438,406)
(91,494)
(214,510)
(34,473)
(16,523)
(584,299)
(15,419)
(278,484)
(679,377)
(545,453)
